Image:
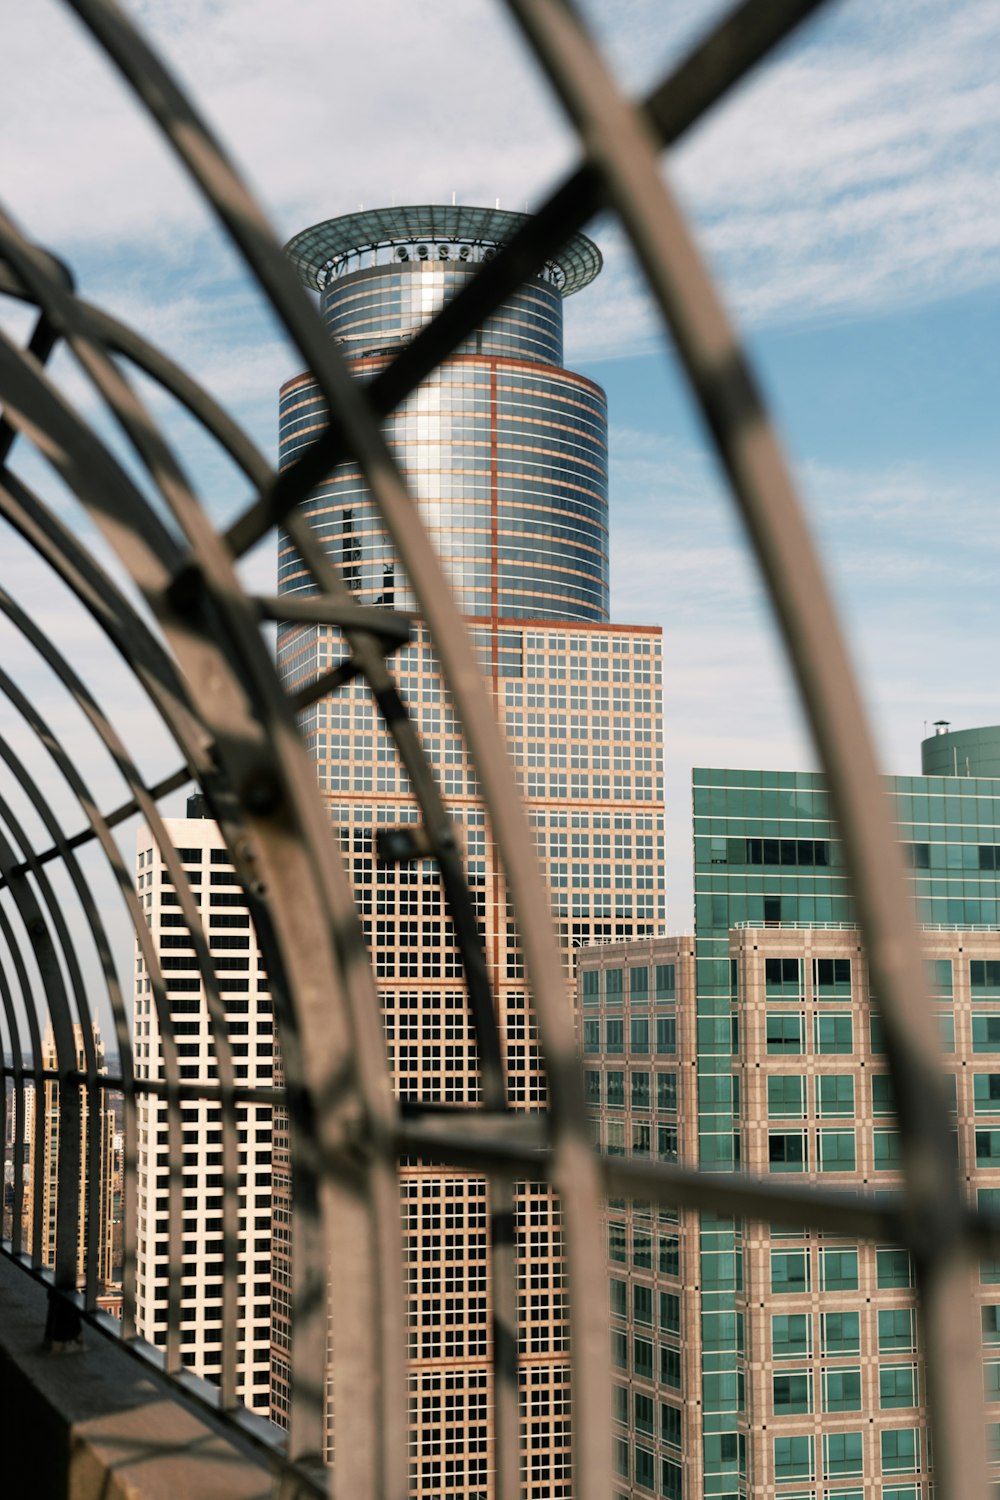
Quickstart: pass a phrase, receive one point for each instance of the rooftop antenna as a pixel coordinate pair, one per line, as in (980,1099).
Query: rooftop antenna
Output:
(498,203)
(453,197)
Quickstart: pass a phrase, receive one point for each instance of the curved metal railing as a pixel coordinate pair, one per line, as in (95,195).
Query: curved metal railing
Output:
(193,637)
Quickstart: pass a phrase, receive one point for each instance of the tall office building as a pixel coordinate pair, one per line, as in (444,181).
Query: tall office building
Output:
(41,1136)
(505,451)
(800,1375)
(244,991)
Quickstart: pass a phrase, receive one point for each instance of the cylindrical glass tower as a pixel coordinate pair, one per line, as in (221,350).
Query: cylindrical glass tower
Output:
(504,449)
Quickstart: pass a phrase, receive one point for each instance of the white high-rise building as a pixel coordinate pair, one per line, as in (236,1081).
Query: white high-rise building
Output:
(244,990)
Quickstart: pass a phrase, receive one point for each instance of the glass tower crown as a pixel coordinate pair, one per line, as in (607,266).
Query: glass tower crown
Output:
(504,449)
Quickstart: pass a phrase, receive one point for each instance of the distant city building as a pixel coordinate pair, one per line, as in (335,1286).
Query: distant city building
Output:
(794,1372)
(245,995)
(506,453)
(41,1135)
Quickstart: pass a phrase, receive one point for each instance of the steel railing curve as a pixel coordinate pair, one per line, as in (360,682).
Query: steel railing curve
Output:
(211,681)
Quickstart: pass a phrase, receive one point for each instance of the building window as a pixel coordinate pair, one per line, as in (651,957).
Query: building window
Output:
(897,1386)
(831,978)
(792,1393)
(615,1088)
(842,1390)
(987,1148)
(894,1268)
(896,1329)
(640,1090)
(613,983)
(784,1032)
(666,1035)
(645,1470)
(786,1097)
(883,1099)
(986,1033)
(834,1034)
(618,1296)
(984,979)
(642,1305)
(887,1150)
(839,1270)
(670,1312)
(638,983)
(591,1037)
(835,1094)
(666,981)
(787,1153)
(670,1367)
(666,1091)
(671,1480)
(986,1093)
(939,977)
(783,978)
(843,1454)
(639,1035)
(900,1450)
(793,1458)
(670,1424)
(789,1271)
(790,1335)
(836,1151)
(841,1333)
(614,1036)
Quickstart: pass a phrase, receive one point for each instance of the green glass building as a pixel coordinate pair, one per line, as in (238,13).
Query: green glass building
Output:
(772,904)
(752,1362)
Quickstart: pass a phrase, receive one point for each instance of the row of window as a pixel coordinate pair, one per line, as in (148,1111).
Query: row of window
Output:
(791,1272)
(843,1455)
(785,1033)
(792,1390)
(640,1095)
(611,983)
(644,1036)
(836,1151)
(644,1298)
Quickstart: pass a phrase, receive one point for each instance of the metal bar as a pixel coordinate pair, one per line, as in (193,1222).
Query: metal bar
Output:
(16,1073)
(623,150)
(121,814)
(65,943)
(322,609)
(437,825)
(69,1141)
(241,744)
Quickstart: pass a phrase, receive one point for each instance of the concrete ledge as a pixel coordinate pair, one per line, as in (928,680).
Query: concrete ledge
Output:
(89,1424)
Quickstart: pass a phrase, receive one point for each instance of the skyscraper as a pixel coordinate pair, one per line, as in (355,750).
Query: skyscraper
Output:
(800,1377)
(245,995)
(41,1135)
(505,451)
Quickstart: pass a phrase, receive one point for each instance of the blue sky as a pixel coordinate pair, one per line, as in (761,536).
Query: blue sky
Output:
(846,196)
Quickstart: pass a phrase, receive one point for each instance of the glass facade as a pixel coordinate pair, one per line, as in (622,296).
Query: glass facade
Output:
(791,1077)
(505,451)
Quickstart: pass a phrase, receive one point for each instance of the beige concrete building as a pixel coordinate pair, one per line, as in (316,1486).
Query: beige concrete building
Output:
(97,1154)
